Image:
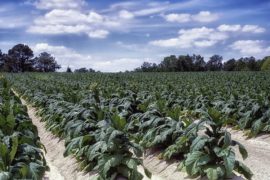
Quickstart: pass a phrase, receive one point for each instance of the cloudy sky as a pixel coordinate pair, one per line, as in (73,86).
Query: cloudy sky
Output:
(114,35)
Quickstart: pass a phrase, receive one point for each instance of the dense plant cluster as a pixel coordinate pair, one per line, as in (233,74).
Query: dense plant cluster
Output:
(108,119)
(21,155)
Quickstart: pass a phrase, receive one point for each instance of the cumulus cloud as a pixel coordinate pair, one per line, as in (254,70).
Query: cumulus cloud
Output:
(195,37)
(253,28)
(59,21)
(205,16)
(202,16)
(250,47)
(59,4)
(101,34)
(180,18)
(69,57)
(225,27)
(245,28)
(64,56)
(116,65)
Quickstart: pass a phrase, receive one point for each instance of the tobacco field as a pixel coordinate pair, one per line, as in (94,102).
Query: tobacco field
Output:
(108,121)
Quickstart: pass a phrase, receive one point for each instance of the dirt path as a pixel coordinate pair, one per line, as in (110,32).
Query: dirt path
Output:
(258,154)
(61,168)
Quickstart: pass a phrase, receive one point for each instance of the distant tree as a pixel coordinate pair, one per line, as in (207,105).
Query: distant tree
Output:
(184,63)
(91,70)
(199,63)
(69,70)
(10,64)
(146,66)
(241,65)
(81,70)
(45,62)
(21,58)
(266,64)
(2,62)
(169,63)
(215,63)
(155,67)
(260,62)
(251,64)
(229,65)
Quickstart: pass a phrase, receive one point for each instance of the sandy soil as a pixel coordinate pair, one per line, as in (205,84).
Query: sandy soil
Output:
(258,154)
(62,168)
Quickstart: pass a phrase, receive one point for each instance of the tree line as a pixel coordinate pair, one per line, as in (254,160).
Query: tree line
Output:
(197,63)
(21,58)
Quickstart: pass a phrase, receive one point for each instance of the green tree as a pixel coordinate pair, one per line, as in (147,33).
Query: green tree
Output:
(214,63)
(21,58)
(81,70)
(251,64)
(266,64)
(169,63)
(69,70)
(1,60)
(230,65)
(45,62)
(91,70)
(187,62)
(199,63)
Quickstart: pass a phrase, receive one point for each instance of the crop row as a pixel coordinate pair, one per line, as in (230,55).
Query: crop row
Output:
(21,155)
(104,119)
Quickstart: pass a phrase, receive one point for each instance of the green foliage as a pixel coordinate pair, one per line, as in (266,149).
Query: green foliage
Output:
(211,151)
(20,149)
(107,120)
(266,65)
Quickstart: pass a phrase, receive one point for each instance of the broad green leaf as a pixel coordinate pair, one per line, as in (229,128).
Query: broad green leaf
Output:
(14,148)
(229,162)
(212,174)
(243,169)
(198,143)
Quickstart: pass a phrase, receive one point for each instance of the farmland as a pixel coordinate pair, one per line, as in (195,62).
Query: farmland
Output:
(109,121)
(21,154)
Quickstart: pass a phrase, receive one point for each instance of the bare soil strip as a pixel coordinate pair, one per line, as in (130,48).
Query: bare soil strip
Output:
(258,154)
(65,168)
(61,168)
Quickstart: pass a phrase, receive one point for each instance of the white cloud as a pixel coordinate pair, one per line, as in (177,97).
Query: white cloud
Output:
(173,42)
(205,43)
(115,65)
(59,29)
(225,27)
(101,34)
(180,18)
(250,47)
(69,57)
(59,21)
(253,29)
(202,16)
(124,14)
(196,37)
(64,56)
(245,28)
(205,16)
(59,4)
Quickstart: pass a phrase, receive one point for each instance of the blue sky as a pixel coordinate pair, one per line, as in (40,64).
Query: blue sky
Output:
(117,35)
